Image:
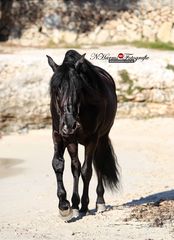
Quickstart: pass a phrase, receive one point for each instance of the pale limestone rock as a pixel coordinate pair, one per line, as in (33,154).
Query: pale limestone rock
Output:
(164,33)
(161,108)
(157,96)
(132,36)
(130,26)
(148,33)
(83,39)
(112,33)
(157,16)
(56,36)
(97,30)
(148,22)
(134,19)
(111,25)
(169,95)
(92,35)
(140,97)
(121,28)
(68,37)
(152,15)
(172,35)
(103,36)
(126,15)
(118,37)
(165,11)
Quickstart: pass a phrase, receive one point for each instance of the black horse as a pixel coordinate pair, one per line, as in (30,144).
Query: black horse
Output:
(83,108)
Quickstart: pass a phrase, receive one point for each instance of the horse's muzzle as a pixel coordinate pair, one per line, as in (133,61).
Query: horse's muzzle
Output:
(70,130)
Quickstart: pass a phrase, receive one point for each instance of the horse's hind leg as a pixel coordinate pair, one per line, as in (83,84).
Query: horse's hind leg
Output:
(100,203)
(87,174)
(76,169)
(98,164)
(58,166)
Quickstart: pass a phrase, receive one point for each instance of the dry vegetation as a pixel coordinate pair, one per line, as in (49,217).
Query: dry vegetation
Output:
(157,213)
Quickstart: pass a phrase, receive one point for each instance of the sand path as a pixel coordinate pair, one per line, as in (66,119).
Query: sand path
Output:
(28,203)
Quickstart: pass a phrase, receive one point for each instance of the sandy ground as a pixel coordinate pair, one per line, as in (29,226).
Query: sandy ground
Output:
(28,202)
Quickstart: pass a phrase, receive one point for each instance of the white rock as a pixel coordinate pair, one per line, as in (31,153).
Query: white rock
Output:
(111,25)
(69,37)
(91,37)
(148,22)
(56,36)
(103,36)
(121,28)
(83,39)
(148,33)
(132,36)
(172,35)
(164,33)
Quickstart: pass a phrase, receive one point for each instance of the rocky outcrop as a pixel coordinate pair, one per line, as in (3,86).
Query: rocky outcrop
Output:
(60,23)
(134,25)
(145,88)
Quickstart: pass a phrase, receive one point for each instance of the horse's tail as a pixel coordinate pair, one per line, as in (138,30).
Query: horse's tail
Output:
(105,162)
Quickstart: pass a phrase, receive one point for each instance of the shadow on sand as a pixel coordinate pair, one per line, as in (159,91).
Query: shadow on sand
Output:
(154,198)
(90,213)
(8,167)
(151,199)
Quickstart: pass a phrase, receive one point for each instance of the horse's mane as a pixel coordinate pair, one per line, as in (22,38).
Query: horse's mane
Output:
(70,81)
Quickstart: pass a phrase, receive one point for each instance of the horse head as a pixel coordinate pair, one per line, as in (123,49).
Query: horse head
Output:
(65,90)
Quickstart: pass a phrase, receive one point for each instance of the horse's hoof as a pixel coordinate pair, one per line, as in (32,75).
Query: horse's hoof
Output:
(75,213)
(66,215)
(84,211)
(100,207)
(88,213)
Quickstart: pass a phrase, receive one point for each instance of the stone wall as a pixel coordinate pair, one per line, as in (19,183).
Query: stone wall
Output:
(58,22)
(145,89)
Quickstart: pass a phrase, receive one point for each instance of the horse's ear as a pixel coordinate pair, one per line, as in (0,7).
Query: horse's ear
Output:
(80,62)
(52,64)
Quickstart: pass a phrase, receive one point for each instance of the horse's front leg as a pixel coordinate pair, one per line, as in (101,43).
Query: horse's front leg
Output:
(76,169)
(87,174)
(58,166)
